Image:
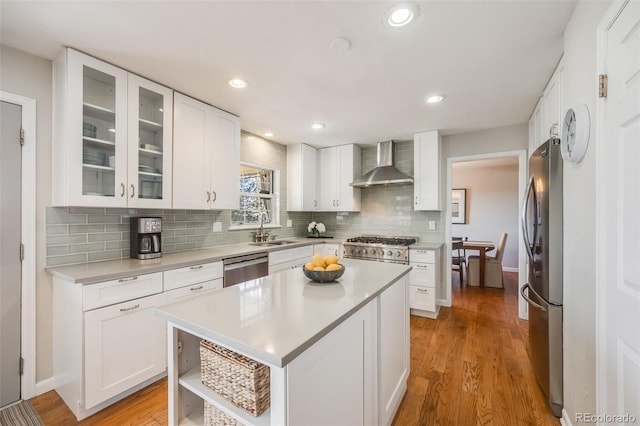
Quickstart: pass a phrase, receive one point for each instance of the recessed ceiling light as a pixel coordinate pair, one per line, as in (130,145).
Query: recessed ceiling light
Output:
(237,83)
(318,126)
(268,135)
(112,130)
(435,99)
(401,14)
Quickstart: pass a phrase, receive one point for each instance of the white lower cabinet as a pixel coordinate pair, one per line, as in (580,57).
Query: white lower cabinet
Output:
(107,342)
(289,259)
(424,282)
(125,344)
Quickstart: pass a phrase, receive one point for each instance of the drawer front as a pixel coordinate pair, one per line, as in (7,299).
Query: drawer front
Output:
(282,256)
(423,298)
(191,275)
(423,274)
(422,256)
(116,291)
(191,290)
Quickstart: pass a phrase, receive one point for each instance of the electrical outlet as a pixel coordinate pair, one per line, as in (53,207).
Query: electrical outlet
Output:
(217,226)
(432,225)
(289,223)
(179,346)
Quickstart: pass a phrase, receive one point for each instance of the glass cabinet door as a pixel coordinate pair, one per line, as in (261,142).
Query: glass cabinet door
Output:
(150,143)
(103,133)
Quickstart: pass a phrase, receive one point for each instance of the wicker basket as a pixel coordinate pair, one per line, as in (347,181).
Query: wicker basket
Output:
(215,417)
(241,380)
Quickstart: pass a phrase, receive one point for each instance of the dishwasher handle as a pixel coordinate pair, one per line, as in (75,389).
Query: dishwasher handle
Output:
(245,263)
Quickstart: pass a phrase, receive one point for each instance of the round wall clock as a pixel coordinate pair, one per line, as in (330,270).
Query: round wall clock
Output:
(575,133)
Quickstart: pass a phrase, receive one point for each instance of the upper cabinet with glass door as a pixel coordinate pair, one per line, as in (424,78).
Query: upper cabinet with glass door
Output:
(98,130)
(150,144)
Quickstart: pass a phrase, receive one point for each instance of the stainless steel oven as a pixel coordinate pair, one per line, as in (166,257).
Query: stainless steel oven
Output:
(243,268)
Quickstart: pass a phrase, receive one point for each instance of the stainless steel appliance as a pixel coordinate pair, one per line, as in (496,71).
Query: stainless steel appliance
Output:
(385,172)
(379,248)
(145,237)
(542,229)
(243,268)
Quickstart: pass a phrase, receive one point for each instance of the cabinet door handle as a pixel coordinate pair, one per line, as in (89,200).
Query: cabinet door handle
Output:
(200,287)
(197,267)
(124,280)
(315,203)
(130,308)
(422,290)
(122,189)
(416,200)
(215,196)
(133,191)
(208,196)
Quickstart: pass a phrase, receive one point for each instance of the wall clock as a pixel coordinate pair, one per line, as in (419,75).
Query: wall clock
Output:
(575,134)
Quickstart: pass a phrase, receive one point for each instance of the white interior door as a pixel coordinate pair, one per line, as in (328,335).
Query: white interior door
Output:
(618,357)
(10,264)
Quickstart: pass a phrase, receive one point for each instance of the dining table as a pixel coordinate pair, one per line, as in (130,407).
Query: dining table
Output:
(482,247)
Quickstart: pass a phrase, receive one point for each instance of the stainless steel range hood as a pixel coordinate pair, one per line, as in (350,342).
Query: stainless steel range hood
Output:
(385,173)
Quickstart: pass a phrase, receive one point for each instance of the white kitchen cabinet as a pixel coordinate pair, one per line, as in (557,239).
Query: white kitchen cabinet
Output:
(191,280)
(289,258)
(339,166)
(107,342)
(424,281)
(326,249)
(206,156)
(302,178)
(103,114)
(426,169)
(548,114)
(536,126)
(125,344)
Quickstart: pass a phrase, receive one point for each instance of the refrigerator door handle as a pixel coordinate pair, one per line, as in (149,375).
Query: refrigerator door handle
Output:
(526,297)
(523,219)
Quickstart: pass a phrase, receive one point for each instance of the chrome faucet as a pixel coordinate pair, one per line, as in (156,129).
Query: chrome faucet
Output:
(261,236)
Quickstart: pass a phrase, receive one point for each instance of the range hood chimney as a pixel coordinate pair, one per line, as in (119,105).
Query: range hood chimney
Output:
(385,173)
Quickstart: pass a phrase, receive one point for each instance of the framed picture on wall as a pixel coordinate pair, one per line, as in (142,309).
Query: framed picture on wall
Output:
(458,206)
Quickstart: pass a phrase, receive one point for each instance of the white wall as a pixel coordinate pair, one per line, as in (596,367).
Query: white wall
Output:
(484,142)
(492,206)
(579,85)
(30,76)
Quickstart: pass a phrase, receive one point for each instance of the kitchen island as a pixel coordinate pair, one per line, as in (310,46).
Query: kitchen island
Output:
(338,352)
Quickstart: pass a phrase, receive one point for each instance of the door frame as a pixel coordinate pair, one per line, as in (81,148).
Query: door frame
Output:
(602,216)
(522,261)
(28,285)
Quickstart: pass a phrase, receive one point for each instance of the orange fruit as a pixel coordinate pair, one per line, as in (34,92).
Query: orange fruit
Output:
(331,259)
(318,268)
(318,259)
(333,267)
(309,266)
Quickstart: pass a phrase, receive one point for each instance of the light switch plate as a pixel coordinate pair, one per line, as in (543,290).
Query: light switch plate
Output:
(217,226)
(289,223)
(432,225)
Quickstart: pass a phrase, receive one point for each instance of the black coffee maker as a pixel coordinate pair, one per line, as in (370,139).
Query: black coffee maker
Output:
(146,237)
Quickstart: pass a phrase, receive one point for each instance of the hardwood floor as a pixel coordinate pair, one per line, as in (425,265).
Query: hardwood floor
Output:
(469,367)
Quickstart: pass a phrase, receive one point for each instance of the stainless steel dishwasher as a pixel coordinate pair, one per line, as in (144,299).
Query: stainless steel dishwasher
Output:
(243,268)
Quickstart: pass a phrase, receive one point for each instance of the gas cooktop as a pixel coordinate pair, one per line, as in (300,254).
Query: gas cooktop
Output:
(379,248)
(378,239)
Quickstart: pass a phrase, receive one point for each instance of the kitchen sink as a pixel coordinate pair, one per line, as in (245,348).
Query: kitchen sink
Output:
(271,243)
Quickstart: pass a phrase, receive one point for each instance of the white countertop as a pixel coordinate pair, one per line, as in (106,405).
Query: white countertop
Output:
(89,273)
(275,318)
(427,245)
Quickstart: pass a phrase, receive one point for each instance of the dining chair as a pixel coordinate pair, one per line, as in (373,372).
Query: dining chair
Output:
(458,258)
(492,267)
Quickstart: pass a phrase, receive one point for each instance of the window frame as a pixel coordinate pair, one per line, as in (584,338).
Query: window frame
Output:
(274,196)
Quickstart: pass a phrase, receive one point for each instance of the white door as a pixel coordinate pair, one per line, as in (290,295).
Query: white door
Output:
(618,220)
(10,269)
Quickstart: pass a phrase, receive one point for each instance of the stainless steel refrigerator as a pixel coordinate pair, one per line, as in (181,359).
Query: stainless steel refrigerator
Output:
(542,230)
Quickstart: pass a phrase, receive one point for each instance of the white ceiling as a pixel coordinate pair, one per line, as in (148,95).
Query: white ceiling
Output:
(492,59)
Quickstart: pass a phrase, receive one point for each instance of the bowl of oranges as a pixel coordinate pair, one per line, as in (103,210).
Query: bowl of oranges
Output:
(323,269)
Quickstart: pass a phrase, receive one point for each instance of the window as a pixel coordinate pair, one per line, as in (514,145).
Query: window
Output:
(257,197)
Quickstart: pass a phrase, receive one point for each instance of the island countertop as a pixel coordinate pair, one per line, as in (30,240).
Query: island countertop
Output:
(275,318)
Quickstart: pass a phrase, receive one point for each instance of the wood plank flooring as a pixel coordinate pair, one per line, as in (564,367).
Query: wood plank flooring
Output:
(469,367)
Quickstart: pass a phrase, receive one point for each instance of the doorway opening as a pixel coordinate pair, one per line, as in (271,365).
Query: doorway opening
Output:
(495,185)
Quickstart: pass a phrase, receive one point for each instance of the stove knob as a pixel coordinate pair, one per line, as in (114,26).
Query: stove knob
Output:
(389,253)
(381,252)
(398,254)
(364,251)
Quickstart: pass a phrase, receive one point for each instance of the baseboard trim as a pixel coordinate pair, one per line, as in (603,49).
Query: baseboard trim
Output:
(510,269)
(565,420)
(45,385)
